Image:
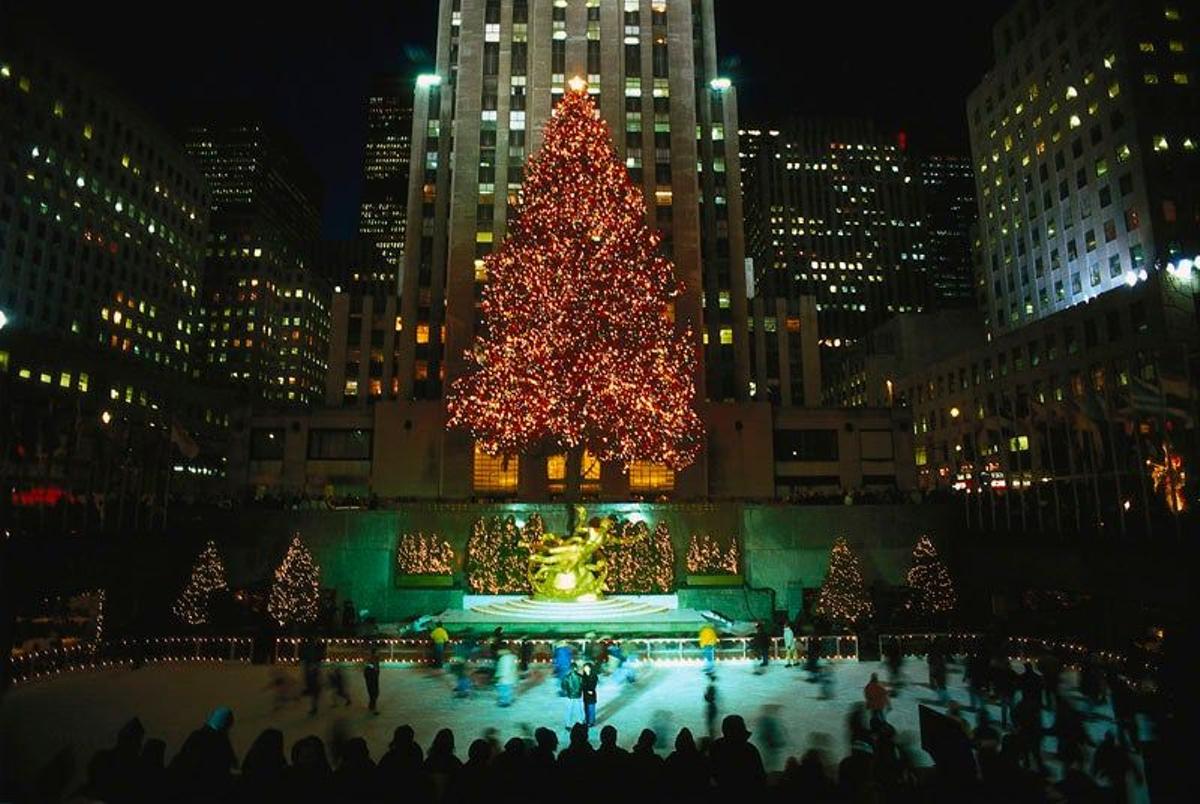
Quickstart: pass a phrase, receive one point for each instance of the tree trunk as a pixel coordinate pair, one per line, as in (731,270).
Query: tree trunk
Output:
(573,474)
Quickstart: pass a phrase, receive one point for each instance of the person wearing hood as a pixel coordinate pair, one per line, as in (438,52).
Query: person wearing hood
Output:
(263,768)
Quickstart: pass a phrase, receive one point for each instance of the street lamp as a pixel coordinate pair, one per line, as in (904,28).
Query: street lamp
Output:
(105,417)
(955,412)
(3,319)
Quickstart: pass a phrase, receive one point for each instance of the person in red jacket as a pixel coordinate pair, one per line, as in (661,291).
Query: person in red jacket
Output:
(878,701)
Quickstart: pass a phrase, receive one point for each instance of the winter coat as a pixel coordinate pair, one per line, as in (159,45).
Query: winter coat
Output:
(587,686)
(572,684)
(876,696)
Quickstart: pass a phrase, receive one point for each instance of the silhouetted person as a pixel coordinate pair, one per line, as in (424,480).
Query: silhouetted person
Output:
(152,772)
(1030,683)
(371,678)
(1072,736)
(1124,705)
(577,762)
(856,773)
(510,772)
(112,772)
(737,768)
(686,774)
(263,768)
(354,780)
(542,764)
(1051,669)
(473,782)
(809,779)
(441,764)
(646,766)
(204,763)
(937,672)
(400,768)
(611,759)
(309,779)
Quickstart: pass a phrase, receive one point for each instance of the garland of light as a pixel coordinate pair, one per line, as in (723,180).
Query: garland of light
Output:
(706,556)
(931,589)
(296,593)
(424,554)
(843,597)
(579,345)
(208,576)
(1170,479)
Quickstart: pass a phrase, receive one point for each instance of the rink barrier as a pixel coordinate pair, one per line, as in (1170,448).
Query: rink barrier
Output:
(656,650)
(50,662)
(1018,648)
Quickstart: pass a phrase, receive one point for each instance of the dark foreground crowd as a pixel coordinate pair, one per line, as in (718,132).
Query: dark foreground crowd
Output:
(974,765)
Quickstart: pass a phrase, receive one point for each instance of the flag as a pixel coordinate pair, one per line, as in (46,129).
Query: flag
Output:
(183,441)
(1080,418)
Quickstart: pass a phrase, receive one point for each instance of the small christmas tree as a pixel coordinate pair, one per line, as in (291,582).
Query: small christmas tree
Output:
(579,348)
(930,588)
(296,594)
(640,562)
(843,598)
(706,556)
(208,576)
(497,556)
(424,554)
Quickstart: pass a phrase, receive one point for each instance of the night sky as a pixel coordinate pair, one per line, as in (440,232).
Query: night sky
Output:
(908,65)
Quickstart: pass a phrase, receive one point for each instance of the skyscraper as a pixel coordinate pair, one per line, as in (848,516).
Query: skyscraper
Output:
(1085,138)
(265,308)
(948,188)
(501,65)
(834,214)
(385,167)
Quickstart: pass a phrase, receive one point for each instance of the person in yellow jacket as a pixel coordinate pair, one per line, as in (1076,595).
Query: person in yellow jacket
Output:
(708,640)
(439,637)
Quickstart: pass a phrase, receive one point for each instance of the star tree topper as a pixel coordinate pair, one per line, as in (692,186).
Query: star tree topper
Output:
(579,346)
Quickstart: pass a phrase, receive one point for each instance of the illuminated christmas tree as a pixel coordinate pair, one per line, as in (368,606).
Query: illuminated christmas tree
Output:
(843,598)
(424,554)
(296,593)
(706,556)
(931,590)
(497,559)
(641,562)
(208,576)
(579,347)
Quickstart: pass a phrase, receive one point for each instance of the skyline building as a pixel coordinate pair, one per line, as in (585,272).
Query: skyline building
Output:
(1084,138)
(265,308)
(388,150)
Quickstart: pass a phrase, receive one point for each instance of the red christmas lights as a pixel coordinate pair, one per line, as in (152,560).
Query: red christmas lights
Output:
(579,346)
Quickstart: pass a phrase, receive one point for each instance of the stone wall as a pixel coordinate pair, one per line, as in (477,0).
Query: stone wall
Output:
(785,548)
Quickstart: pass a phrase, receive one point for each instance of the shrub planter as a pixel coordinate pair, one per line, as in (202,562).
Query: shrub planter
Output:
(425,581)
(714,580)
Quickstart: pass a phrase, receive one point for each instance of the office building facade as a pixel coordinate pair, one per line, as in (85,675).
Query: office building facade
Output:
(1085,138)
(834,214)
(382,213)
(265,308)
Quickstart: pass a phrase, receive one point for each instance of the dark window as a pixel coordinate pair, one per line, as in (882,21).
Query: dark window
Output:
(806,445)
(266,443)
(339,445)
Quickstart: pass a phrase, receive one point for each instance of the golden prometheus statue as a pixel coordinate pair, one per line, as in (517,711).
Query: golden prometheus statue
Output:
(570,568)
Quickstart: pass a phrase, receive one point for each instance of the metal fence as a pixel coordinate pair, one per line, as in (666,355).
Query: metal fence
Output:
(1016,647)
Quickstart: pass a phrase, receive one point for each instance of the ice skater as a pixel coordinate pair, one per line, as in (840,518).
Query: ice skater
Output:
(371,677)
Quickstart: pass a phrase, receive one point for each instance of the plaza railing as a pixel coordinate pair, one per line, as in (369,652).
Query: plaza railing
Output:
(39,664)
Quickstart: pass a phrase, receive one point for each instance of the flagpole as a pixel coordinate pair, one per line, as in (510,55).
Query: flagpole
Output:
(1071,469)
